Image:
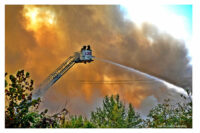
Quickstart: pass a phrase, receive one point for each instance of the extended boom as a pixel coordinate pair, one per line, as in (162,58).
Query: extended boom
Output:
(84,56)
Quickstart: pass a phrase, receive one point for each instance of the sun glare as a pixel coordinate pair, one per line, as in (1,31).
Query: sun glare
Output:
(38,17)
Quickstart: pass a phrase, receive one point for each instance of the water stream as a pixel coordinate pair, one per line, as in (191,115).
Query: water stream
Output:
(169,85)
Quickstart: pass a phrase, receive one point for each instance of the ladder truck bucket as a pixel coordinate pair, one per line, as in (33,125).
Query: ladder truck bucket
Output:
(85,55)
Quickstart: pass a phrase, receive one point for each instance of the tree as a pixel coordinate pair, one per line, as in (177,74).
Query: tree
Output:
(114,115)
(170,116)
(77,122)
(20,110)
(133,119)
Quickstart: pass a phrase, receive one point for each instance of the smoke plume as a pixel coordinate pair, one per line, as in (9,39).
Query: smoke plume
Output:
(40,38)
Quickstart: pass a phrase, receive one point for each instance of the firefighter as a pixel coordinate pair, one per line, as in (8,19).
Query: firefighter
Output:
(88,48)
(83,48)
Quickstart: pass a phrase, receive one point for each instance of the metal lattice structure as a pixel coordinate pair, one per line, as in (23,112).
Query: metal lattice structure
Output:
(79,57)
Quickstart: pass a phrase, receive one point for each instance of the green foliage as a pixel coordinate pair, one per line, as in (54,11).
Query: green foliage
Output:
(133,119)
(113,115)
(77,122)
(170,116)
(21,111)
(20,106)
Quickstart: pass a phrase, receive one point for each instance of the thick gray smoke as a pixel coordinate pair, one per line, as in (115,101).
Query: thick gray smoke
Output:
(40,47)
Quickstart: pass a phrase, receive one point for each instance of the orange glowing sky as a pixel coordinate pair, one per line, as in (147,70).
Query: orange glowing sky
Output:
(40,38)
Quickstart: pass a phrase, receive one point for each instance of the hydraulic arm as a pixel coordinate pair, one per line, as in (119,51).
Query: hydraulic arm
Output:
(79,57)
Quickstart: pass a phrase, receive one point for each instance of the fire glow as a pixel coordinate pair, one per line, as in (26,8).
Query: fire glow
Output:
(36,17)
(46,35)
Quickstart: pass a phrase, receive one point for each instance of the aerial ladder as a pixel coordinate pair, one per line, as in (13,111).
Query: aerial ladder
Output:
(84,56)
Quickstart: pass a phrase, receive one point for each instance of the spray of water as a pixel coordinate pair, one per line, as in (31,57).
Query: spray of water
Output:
(169,85)
(41,90)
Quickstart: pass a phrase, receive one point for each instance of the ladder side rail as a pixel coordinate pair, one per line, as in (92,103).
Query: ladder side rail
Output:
(59,68)
(44,86)
(64,67)
(57,75)
(67,67)
(61,74)
(52,75)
